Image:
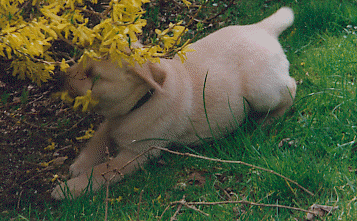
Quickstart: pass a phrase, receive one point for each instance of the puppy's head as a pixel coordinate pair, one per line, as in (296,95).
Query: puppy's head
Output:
(118,89)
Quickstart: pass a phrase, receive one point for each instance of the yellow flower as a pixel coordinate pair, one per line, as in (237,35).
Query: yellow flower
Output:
(187,3)
(112,201)
(51,146)
(182,52)
(28,41)
(88,134)
(64,65)
(55,177)
(86,101)
(45,164)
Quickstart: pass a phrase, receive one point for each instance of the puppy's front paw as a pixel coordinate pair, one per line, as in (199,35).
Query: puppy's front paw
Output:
(77,186)
(62,191)
(78,168)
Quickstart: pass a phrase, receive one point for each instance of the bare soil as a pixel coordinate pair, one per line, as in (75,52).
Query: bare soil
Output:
(31,122)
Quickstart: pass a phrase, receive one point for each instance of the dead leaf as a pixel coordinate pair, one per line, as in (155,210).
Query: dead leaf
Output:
(320,210)
(287,141)
(59,161)
(161,162)
(351,170)
(197,179)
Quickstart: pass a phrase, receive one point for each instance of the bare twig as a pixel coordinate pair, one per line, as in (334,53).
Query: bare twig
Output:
(106,200)
(71,128)
(349,205)
(118,171)
(181,203)
(223,190)
(18,201)
(31,57)
(249,203)
(179,4)
(219,13)
(251,206)
(107,186)
(129,162)
(106,11)
(190,204)
(234,162)
(194,208)
(139,205)
(172,50)
(179,207)
(335,204)
(93,13)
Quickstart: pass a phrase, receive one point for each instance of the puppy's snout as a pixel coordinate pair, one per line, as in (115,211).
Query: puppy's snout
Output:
(60,81)
(63,83)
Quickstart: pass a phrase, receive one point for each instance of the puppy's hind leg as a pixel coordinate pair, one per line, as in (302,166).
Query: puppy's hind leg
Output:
(287,96)
(94,153)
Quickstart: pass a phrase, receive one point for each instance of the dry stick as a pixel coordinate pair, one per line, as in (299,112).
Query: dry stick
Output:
(72,127)
(261,199)
(106,200)
(204,21)
(167,208)
(235,162)
(118,171)
(194,208)
(30,57)
(220,13)
(335,204)
(181,203)
(223,190)
(349,205)
(107,186)
(107,182)
(250,203)
(190,204)
(138,212)
(18,201)
(172,50)
(129,162)
(179,207)
(139,205)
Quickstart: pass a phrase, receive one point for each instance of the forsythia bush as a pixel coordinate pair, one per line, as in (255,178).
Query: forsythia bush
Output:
(30,29)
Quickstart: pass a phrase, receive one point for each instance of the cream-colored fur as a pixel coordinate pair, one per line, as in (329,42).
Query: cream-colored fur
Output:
(246,69)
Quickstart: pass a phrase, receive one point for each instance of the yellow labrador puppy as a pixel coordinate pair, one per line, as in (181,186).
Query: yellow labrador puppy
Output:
(246,69)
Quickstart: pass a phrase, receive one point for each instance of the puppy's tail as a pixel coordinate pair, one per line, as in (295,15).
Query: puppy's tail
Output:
(278,22)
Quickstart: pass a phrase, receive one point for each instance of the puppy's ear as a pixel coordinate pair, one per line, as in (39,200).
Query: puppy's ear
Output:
(152,73)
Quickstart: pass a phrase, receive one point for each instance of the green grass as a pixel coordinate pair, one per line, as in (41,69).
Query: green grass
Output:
(322,125)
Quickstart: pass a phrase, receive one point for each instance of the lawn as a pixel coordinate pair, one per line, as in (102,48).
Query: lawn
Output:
(314,144)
